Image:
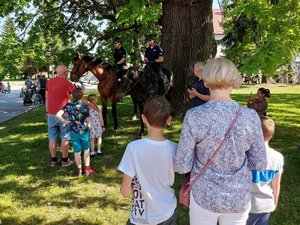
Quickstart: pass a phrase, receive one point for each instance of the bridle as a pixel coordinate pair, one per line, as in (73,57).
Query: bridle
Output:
(76,77)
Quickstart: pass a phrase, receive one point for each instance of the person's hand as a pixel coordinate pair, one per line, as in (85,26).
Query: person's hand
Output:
(103,129)
(191,96)
(249,98)
(146,60)
(192,91)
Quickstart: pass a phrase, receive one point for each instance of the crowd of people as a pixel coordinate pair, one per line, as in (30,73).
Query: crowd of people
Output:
(241,184)
(227,193)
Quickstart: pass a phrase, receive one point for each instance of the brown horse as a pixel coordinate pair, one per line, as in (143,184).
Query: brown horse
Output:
(106,76)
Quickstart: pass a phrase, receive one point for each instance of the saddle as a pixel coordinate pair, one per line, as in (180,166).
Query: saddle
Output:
(157,79)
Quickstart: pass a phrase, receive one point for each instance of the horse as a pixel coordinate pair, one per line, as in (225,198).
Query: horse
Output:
(106,76)
(136,83)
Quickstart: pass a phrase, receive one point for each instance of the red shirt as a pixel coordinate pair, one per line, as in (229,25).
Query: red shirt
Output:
(59,91)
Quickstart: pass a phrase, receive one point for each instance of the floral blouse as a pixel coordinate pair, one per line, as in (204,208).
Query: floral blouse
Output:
(225,185)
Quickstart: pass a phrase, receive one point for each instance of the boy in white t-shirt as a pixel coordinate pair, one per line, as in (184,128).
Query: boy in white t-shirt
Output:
(148,169)
(266,184)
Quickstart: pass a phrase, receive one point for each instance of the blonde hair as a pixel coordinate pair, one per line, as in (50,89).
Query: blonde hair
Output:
(221,73)
(268,127)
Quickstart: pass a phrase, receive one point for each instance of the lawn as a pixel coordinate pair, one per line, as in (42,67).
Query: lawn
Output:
(31,192)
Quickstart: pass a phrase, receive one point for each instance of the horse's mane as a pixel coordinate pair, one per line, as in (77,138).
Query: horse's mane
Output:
(93,60)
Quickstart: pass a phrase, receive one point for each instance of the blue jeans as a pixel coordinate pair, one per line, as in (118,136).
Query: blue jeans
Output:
(258,219)
(56,127)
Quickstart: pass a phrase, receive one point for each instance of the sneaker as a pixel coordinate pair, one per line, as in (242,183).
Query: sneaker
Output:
(89,171)
(55,163)
(68,163)
(79,171)
(99,152)
(93,154)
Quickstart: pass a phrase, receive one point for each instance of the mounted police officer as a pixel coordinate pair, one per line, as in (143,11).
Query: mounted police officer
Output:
(120,57)
(154,57)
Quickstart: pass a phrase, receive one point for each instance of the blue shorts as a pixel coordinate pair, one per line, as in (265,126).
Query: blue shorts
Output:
(55,127)
(80,141)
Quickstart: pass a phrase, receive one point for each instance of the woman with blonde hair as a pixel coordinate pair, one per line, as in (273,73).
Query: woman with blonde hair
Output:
(222,194)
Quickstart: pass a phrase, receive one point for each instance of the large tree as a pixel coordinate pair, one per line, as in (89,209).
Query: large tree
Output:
(185,25)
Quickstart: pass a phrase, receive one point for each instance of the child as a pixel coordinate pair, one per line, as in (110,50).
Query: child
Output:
(148,169)
(78,115)
(260,103)
(266,184)
(97,126)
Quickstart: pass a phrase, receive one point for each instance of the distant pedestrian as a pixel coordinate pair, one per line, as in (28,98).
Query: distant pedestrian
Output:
(266,184)
(259,103)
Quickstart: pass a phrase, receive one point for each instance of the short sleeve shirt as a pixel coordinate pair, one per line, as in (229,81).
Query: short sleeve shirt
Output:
(77,114)
(200,88)
(153,53)
(119,53)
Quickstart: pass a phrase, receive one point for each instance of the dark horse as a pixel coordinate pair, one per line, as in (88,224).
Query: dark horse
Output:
(106,76)
(138,84)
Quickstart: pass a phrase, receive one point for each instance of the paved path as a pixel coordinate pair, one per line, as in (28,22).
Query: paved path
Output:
(11,105)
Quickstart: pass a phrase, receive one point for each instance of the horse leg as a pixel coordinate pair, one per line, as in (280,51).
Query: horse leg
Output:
(114,111)
(134,109)
(104,110)
(141,106)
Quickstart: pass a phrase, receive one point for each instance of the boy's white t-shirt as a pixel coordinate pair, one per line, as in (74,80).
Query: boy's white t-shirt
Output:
(150,163)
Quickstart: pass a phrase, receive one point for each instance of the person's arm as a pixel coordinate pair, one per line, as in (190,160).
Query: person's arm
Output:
(160,59)
(121,61)
(89,104)
(195,93)
(276,188)
(46,105)
(185,154)
(256,155)
(101,119)
(126,188)
(88,122)
(60,118)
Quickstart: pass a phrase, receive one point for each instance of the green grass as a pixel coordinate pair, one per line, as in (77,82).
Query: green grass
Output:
(31,192)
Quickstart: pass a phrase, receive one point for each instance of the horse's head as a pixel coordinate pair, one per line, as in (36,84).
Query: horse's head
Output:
(79,67)
(128,80)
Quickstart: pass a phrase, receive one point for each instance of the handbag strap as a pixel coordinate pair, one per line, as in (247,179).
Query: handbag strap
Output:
(211,158)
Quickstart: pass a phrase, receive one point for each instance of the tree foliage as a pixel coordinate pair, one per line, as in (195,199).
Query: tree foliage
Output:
(261,34)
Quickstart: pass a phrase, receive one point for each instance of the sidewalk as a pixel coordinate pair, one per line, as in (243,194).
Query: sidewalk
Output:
(11,105)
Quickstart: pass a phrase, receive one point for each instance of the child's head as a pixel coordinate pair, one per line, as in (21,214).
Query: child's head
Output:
(157,111)
(77,93)
(92,98)
(264,92)
(268,127)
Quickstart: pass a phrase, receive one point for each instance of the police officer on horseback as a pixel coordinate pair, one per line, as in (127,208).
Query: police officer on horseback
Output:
(120,57)
(154,57)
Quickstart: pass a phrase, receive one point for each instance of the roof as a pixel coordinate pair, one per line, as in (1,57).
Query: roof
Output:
(217,19)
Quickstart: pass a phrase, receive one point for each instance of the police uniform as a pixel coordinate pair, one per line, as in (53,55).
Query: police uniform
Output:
(152,54)
(119,53)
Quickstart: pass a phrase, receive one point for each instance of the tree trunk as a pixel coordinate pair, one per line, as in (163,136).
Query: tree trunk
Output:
(187,37)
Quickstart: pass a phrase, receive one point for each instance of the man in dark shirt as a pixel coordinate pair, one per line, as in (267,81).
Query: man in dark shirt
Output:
(43,82)
(154,57)
(120,57)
